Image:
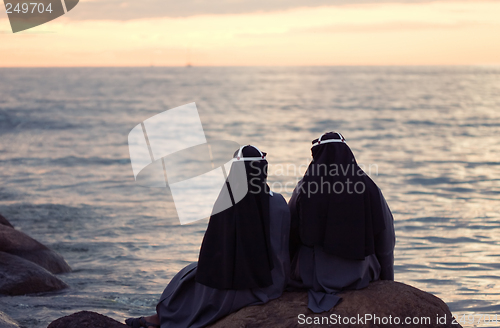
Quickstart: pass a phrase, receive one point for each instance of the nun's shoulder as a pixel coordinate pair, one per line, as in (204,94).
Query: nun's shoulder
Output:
(278,199)
(278,206)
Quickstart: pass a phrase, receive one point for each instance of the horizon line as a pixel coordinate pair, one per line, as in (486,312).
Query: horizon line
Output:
(271,65)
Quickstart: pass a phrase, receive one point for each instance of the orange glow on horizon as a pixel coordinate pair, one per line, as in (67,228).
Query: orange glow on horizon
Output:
(437,33)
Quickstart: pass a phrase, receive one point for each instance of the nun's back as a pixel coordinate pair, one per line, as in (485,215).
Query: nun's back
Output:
(324,274)
(186,303)
(342,231)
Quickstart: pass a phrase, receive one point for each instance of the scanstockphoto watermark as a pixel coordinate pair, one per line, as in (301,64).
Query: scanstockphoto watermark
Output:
(333,170)
(330,179)
(170,151)
(370,319)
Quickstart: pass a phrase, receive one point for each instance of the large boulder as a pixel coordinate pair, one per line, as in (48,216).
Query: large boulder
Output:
(4,221)
(19,277)
(7,322)
(381,299)
(86,319)
(17,243)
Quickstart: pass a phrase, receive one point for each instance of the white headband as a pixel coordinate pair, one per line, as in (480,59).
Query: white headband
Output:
(262,157)
(320,142)
(240,157)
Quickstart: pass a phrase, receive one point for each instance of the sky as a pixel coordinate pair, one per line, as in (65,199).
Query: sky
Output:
(259,33)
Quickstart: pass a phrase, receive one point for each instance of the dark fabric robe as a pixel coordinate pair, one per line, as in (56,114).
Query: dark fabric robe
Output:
(187,303)
(325,275)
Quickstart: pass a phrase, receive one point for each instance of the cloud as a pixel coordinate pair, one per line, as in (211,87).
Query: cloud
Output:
(128,10)
(385,27)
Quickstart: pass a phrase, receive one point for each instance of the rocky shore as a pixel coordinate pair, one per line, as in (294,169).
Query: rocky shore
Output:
(26,266)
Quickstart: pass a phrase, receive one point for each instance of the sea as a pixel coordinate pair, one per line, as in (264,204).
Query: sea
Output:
(428,136)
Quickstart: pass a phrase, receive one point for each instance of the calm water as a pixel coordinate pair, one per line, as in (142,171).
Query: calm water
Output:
(430,137)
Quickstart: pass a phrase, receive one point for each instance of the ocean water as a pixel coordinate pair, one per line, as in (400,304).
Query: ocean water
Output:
(428,136)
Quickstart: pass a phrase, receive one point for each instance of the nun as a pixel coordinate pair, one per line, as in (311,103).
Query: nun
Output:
(342,232)
(244,257)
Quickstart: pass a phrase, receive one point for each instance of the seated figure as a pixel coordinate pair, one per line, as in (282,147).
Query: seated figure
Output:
(342,232)
(244,258)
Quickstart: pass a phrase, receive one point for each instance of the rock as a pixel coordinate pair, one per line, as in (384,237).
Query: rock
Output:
(17,243)
(4,221)
(19,277)
(384,299)
(7,322)
(86,319)
(27,266)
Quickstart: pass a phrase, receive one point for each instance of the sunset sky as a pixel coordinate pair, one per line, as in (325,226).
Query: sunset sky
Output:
(247,33)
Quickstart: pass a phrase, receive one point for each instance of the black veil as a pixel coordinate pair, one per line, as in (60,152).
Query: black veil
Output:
(236,251)
(339,206)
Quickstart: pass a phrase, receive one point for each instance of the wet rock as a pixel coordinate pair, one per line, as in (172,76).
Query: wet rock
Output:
(19,277)
(384,299)
(86,319)
(17,243)
(4,221)
(7,322)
